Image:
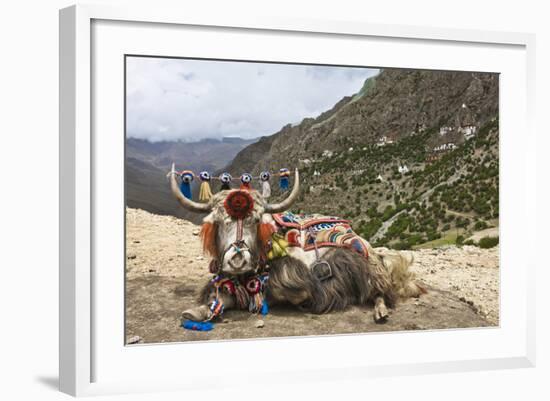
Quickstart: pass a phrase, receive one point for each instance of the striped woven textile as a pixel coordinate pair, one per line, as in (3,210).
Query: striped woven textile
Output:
(308,230)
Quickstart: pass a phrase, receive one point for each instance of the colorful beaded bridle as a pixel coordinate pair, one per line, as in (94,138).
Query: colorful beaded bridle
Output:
(248,291)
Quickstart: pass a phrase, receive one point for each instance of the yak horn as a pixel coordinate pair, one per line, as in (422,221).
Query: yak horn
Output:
(284,205)
(186,203)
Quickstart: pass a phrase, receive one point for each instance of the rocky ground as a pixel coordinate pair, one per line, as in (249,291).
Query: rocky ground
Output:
(469,273)
(165,270)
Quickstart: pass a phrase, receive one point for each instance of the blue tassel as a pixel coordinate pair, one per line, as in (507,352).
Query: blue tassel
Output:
(265,309)
(284,175)
(187,177)
(185,189)
(197,326)
(283,183)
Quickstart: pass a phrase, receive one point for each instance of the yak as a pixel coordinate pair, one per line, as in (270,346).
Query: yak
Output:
(240,233)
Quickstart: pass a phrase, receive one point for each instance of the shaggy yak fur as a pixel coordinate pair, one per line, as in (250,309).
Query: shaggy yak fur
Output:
(381,280)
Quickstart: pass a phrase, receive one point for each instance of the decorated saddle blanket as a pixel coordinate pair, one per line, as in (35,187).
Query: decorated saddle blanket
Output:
(313,230)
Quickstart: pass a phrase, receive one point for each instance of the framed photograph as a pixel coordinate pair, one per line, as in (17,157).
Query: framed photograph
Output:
(346,197)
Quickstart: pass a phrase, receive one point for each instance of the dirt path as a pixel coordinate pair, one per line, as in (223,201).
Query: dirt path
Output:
(165,269)
(489,232)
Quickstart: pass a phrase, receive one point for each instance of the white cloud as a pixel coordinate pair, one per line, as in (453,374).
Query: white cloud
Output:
(192,99)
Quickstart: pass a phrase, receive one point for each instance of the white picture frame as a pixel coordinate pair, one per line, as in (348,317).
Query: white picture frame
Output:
(88,359)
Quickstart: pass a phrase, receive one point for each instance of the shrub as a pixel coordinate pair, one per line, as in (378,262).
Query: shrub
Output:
(480,225)
(372,212)
(388,212)
(488,242)
(415,239)
(369,229)
(401,245)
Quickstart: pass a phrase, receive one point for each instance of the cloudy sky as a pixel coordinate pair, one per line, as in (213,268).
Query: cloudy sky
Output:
(169,99)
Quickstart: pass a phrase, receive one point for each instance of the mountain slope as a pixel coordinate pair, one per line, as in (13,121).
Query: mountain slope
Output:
(394,103)
(441,126)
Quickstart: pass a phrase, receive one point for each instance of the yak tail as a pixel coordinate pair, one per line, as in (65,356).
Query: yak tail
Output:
(403,280)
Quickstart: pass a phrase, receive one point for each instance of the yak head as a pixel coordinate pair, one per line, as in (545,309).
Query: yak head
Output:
(238,225)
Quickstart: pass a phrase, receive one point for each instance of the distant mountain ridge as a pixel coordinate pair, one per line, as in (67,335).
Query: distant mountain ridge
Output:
(148,162)
(206,154)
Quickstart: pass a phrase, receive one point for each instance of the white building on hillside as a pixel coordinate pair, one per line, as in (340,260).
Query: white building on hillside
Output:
(384,140)
(403,169)
(469,131)
(445,147)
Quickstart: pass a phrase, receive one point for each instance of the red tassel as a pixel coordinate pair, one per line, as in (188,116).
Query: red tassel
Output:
(208,237)
(265,230)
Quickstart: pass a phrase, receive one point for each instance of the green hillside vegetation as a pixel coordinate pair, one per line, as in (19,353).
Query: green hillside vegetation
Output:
(436,202)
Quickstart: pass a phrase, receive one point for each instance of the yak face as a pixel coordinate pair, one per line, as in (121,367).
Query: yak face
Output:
(232,232)
(231,237)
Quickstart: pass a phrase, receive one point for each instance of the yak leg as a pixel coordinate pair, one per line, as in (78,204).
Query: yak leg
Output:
(202,312)
(197,314)
(381,313)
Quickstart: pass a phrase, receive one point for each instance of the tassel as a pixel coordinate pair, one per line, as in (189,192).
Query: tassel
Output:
(246,179)
(225,179)
(243,299)
(187,177)
(216,308)
(256,303)
(266,188)
(197,326)
(265,308)
(208,234)
(284,175)
(278,247)
(265,230)
(205,192)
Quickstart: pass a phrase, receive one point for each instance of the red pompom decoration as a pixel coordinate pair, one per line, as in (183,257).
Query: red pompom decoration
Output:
(239,204)
(253,286)
(228,286)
